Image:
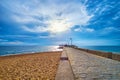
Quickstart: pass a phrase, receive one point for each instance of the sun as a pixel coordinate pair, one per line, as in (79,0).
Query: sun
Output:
(58,26)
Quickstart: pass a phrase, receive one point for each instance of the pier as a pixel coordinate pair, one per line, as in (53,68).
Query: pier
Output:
(76,64)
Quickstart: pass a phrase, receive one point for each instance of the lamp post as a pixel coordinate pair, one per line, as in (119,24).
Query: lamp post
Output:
(67,42)
(71,41)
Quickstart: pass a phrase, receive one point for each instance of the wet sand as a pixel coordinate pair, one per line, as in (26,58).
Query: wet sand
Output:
(37,66)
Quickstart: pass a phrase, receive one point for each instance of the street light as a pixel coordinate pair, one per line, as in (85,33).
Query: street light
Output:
(71,41)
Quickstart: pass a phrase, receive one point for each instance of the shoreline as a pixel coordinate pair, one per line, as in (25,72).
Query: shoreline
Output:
(15,54)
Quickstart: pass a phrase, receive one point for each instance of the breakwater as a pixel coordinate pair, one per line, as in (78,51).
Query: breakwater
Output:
(86,66)
(109,55)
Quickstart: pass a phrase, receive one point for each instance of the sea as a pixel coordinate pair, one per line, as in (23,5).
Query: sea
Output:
(113,49)
(13,50)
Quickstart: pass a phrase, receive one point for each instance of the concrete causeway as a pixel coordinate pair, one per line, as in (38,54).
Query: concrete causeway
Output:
(85,66)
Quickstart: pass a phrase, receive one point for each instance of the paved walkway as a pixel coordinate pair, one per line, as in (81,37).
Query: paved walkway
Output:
(86,66)
(64,69)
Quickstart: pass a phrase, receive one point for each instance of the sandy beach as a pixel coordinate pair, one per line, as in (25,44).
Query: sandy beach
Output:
(37,66)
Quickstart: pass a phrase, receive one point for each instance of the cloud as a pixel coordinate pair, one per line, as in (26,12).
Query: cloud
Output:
(53,26)
(26,37)
(1,40)
(25,19)
(36,29)
(12,43)
(49,36)
(78,30)
(90,30)
(107,30)
(117,16)
(7,42)
(56,19)
(83,29)
(15,36)
(59,42)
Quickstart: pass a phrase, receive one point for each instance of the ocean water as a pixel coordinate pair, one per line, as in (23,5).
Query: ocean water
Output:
(11,50)
(113,49)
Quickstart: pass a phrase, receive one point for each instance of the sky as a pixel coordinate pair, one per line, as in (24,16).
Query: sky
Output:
(54,22)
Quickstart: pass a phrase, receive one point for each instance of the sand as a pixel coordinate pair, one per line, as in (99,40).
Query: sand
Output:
(37,66)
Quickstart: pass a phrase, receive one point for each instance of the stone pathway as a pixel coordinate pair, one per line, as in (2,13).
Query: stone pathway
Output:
(64,69)
(86,66)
